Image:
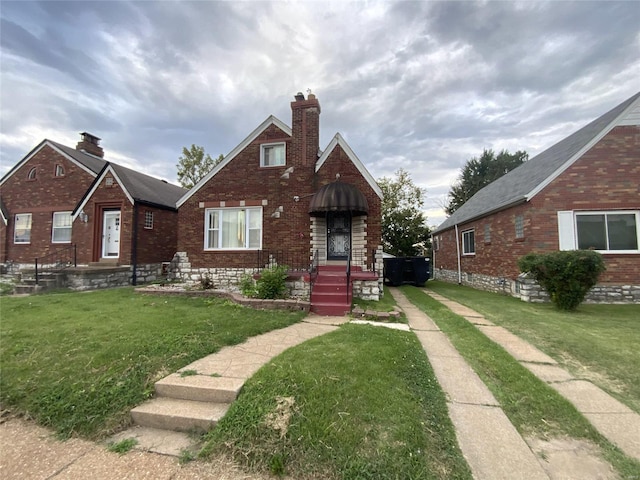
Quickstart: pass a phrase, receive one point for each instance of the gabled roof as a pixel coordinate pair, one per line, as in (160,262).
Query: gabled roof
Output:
(137,187)
(271,120)
(89,163)
(524,182)
(338,140)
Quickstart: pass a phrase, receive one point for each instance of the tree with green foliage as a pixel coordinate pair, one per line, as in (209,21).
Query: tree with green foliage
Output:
(194,164)
(477,173)
(404,224)
(567,276)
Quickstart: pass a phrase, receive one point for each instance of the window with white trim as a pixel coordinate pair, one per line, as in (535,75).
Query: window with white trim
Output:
(272,155)
(59,171)
(22,228)
(468,242)
(604,231)
(61,227)
(32,174)
(148,220)
(519,224)
(232,228)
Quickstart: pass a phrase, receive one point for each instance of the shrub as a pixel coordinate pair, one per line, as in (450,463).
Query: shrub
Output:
(567,276)
(248,286)
(271,283)
(205,282)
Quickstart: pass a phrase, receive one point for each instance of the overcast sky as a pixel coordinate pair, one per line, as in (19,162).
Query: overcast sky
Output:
(423,86)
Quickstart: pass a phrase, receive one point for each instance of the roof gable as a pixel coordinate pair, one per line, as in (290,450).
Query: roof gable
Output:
(89,163)
(271,120)
(524,182)
(338,140)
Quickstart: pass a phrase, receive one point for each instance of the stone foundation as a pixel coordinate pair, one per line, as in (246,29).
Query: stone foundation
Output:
(528,290)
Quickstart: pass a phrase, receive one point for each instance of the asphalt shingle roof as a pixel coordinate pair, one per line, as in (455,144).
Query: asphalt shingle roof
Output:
(513,187)
(93,163)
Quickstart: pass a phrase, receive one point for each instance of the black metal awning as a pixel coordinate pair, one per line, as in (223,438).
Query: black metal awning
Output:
(338,197)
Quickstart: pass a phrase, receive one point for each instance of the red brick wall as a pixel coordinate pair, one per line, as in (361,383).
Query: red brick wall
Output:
(339,162)
(160,243)
(607,177)
(41,197)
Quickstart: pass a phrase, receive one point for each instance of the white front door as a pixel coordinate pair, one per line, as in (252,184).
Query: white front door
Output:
(111,234)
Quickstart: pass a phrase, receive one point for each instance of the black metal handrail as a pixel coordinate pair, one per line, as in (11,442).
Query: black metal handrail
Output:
(60,261)
(348,276)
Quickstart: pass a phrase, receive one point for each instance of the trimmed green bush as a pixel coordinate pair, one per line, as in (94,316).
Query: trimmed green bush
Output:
(567,276)
(248,286)
(271,283)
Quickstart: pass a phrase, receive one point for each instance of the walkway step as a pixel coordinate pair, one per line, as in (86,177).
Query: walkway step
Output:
(178,414)
(201,388)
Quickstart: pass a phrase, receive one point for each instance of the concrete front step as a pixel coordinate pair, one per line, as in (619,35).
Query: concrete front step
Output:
(201,388)
(178,414)
(331,309)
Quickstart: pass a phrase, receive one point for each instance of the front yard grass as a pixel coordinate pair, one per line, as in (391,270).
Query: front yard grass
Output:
(598,343)
(78,362)
(534,408)
(361,402)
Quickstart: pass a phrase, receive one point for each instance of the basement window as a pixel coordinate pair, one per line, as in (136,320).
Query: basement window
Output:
(272,155)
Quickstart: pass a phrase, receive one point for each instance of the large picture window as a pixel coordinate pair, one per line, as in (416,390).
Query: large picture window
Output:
(61,228)
(272,155)
(22,228)
(468,243)
(608,231)
(233,228)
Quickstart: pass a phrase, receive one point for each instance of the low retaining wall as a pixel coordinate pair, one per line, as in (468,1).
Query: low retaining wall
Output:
(528,290)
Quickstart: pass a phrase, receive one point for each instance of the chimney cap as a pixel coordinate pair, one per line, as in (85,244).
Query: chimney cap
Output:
(89,137)
(299,97)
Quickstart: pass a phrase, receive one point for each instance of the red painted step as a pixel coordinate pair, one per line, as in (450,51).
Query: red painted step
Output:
(331,295)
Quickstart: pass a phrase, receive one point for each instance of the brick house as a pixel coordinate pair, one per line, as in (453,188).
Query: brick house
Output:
(277,198)
(59,201)
(581,193)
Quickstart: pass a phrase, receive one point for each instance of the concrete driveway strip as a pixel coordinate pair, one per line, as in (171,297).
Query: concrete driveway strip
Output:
(489,442)
(614,420)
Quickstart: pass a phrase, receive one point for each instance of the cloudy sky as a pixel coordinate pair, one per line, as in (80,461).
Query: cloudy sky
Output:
(420,85)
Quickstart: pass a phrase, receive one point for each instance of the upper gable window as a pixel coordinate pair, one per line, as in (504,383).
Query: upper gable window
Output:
(32,174)
(468,242)
(22,228)
(272,155)
(59,171)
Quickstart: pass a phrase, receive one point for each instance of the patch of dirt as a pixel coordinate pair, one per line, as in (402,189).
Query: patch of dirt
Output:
(585,372)
(567,458)
(280,417)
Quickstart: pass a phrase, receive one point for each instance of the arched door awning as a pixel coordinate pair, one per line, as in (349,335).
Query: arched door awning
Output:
(338,197)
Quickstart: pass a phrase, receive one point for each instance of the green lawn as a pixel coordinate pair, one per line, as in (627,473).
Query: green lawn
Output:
(78,362)
(534,408)
(599,343)
(358,403)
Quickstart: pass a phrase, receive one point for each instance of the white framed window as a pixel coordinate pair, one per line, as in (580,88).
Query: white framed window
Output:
(272,155)
(468,242)
(519,224)
(32,174)
(233,228)
(22,228)
(487,233)
(61,227)
(148,220)
(604,231)
(59,171)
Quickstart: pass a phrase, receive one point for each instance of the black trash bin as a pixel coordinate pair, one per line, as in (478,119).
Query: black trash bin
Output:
(411,270)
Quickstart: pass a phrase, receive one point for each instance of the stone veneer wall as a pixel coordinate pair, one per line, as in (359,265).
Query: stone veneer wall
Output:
(528,290)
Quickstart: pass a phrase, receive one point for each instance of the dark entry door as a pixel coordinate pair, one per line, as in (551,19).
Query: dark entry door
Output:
(338,235)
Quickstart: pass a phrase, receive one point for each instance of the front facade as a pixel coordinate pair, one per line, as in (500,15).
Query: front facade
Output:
(65,205)
(257,206)
(582,193)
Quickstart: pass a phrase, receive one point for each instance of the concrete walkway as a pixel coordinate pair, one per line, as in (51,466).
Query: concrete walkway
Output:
(489,442)
(614,420)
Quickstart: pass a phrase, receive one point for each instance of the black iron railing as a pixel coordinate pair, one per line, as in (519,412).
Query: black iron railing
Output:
(56,261)
(348,277)
(293,260)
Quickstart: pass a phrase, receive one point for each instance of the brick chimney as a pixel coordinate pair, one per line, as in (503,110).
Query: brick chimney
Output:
(90,144)
(305,123)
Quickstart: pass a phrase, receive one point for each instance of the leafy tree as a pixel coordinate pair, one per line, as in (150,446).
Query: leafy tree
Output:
(194,164)
(403,222)
(477,173)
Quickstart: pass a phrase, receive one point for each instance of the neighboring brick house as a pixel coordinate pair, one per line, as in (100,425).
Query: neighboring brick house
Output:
(57,198)
(277,198)
(581,193)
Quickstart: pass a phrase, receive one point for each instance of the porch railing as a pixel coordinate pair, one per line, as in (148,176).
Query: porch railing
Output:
(56,261)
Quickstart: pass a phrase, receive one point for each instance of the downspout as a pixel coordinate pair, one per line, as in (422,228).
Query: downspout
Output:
(458,254)
(134,245)
(433,257)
